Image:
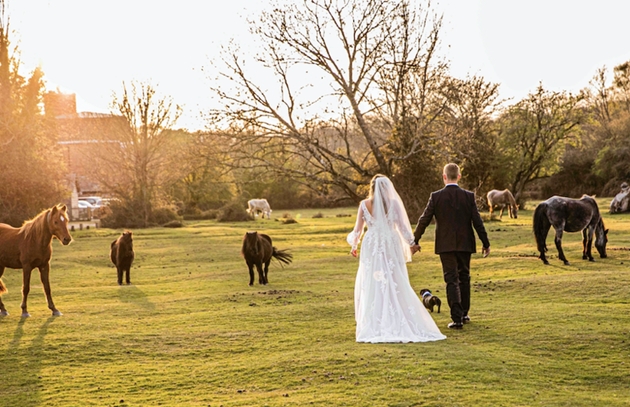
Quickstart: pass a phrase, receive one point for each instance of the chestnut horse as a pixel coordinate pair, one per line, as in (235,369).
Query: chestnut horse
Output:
(30,247)
(502,199)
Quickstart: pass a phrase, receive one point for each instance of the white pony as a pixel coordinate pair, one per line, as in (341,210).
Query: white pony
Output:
(259,205)
(621,202)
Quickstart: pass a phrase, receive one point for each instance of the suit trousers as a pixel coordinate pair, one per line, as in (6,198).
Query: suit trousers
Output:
(456,269)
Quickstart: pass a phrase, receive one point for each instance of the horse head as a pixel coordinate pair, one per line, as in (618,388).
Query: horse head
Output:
(57,219)
(250,243)
(601,239)
(514,211)
(127,239)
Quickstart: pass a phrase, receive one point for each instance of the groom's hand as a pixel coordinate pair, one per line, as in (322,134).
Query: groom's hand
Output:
(415,248)
(485,251)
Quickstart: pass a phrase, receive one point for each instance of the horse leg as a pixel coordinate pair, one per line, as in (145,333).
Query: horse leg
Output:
(26,287)
(558,241)
(261,274)
(501,214)
(267,272)
(119,272)
(128,275)
(584,240)
(589,243)
(3,311)
(491,209)
(44,274)
(251,273)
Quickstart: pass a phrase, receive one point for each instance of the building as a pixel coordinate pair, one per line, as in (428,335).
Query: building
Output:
(81,134)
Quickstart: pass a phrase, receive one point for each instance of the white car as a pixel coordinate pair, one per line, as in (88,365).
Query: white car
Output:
(95,201)
(85,205)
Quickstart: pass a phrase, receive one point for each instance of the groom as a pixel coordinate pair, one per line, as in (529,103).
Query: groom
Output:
(455,214)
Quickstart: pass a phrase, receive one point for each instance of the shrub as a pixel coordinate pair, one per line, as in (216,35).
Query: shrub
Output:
(174,224)
(318,215)
(205,215)
(161,216)
(233,212)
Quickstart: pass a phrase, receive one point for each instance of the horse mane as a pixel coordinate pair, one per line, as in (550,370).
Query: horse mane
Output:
(511,198)
(34,228)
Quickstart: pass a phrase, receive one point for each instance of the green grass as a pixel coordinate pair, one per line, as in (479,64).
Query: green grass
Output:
(191,332)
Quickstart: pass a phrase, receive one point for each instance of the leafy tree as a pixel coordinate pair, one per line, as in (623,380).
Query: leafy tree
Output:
(32,167)
(611,127)
(535,132)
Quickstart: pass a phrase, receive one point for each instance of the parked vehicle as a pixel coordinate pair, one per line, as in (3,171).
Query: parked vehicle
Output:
(86,210)
(95,201)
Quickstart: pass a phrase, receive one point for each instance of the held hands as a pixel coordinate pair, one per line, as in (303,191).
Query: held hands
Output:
(414,248)
(485,251)
(353,252)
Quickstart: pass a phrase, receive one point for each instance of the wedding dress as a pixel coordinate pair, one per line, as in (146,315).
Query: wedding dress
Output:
(386,307)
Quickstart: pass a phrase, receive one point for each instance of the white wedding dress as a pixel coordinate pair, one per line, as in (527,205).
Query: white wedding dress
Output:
(386,307)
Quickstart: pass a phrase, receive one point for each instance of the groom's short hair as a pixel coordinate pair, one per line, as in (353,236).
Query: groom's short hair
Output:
(451,171)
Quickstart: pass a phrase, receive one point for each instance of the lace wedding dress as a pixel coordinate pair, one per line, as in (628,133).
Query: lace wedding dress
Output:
(386,307)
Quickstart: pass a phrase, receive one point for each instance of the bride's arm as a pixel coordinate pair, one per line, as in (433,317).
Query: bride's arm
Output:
(354,237)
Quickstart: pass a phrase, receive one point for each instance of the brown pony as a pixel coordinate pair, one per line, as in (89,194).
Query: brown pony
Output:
(122,255)
(258,250)
(30,247)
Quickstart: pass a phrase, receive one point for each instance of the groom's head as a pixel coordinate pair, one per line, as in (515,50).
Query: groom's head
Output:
(451,173)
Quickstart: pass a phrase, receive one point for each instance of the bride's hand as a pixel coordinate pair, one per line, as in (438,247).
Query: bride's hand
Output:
(353,252)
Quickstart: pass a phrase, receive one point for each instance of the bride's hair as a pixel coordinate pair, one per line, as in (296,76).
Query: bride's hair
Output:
(372,183)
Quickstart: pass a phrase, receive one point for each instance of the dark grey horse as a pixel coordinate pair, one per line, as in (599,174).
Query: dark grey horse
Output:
(570,215)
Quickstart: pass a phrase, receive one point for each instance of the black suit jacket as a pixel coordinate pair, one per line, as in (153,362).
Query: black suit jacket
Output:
(455,214)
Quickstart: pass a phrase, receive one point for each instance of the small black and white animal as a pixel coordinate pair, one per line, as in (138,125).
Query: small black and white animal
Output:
(429,300)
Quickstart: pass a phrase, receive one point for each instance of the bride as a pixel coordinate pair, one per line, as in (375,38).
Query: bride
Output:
(386,307)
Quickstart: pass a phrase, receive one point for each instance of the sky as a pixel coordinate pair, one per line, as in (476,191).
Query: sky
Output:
(90,47)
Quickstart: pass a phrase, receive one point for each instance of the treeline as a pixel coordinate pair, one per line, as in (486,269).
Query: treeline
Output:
(378,98)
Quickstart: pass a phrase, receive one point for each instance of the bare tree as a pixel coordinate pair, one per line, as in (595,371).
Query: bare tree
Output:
(140,158)
(337,134)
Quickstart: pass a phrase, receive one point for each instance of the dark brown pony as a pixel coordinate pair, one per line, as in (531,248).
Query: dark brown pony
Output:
(570,215)
(258,250)
(30,247)
(122,255)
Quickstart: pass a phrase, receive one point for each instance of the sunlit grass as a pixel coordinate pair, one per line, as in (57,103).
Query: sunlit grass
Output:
(190,332)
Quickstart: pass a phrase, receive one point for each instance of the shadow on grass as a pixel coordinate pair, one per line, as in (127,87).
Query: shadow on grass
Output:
(133,295)
(25,364)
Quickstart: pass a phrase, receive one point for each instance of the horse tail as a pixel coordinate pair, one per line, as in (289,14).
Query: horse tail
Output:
(541,226)
(3,288)
(283,256)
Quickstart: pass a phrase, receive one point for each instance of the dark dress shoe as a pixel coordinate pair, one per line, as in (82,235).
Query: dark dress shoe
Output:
(456,325)
(466,319)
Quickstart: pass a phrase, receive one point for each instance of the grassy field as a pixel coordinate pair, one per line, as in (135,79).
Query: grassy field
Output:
(191,332)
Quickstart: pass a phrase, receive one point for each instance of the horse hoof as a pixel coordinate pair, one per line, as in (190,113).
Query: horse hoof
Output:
(591,259)
(3,313)
(584,257)
(57,313)
(25,315)
(566,263)
(545,262)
